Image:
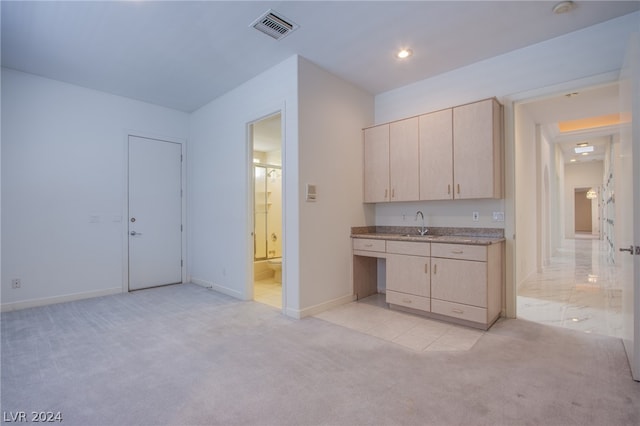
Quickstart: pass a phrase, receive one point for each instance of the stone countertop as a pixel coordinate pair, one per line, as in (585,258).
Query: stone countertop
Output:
(471,236)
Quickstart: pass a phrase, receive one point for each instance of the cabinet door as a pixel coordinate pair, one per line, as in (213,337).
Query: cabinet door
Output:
(376,164)
(477,153)
(408,274)
(403,160)
(436,155)
(460,281)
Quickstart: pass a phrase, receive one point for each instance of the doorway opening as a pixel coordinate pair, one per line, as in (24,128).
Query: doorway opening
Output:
(267,209)
(573,282)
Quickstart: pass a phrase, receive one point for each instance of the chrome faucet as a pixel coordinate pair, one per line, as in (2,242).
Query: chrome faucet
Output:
(423,230)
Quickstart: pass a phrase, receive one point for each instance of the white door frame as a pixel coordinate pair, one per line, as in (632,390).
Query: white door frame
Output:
(125,203)
(250,191)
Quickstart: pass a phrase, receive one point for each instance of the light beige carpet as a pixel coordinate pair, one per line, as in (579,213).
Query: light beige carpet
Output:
(183,355)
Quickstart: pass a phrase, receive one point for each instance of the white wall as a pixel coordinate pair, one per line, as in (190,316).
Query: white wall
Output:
(220,226)
(579,175)
(64,163)
(547,208)
(332,115)
(527,230)
(322,144)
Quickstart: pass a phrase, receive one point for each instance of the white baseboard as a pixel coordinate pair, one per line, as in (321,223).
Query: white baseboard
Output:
(213,286)
(34,303)
(321,307)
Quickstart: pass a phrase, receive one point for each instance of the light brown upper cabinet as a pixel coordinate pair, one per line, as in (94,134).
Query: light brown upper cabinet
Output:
(403,160)
(477,150)
(455,153)
(376,164)
(436,155)
(391,162)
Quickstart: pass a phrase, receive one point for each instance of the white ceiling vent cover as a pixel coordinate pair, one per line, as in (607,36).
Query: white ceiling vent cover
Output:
(274,25)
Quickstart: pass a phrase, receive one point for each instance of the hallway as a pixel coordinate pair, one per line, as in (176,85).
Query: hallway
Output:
(578,290)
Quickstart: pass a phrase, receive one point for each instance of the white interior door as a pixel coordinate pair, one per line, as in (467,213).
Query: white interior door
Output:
(627,204)
(155,213)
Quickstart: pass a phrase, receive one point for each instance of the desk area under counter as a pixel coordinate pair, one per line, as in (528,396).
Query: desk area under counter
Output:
(452,274)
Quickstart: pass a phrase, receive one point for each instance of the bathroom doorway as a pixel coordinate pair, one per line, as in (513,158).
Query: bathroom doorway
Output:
(266,145)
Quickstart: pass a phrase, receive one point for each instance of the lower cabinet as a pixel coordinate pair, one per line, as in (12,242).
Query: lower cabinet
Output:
(408,281)
(458,281)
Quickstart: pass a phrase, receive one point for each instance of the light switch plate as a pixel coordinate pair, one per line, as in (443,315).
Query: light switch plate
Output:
(311,192)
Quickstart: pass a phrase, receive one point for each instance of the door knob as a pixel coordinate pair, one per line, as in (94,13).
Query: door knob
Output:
(135,233)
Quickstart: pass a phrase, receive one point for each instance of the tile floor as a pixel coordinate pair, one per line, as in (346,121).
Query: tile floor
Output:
(372,316)
(269,292)
(578,290)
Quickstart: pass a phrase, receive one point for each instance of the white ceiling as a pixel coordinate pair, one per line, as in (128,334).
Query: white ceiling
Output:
(184,54)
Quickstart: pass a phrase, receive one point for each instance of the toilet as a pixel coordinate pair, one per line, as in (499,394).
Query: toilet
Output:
(276,265)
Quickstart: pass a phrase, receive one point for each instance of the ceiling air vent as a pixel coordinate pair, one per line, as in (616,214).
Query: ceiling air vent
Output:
(274,25)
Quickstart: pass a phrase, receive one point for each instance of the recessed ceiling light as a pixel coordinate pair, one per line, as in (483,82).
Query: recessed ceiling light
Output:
(404,53)
(585,153)
(573,160)
(583,149)
(582,144)
(563,7)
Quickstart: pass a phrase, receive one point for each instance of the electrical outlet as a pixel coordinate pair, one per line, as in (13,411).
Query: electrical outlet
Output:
(475,216)
(15,283)
(498,216)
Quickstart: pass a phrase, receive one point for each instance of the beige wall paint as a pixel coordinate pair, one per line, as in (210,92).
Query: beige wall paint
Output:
(582,211)
(579,175)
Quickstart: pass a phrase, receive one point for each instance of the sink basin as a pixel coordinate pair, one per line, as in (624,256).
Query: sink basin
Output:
(422,237)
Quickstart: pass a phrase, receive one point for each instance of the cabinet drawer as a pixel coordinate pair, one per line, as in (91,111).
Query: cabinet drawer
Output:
(457,310)
(369,244)
(409,300)
(409,247)
(460,251)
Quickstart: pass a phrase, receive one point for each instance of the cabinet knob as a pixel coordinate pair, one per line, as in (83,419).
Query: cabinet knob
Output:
(457,311)
(457,251)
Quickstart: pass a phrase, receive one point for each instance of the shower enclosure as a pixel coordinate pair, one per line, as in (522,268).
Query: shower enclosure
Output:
(268,212)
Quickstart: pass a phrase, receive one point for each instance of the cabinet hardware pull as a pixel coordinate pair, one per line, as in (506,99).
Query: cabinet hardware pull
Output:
(393,193)
(457,251)
(458,188)
(426,268)
(368,245)
(406,301)
(385,193)
(435,268)
(457,311)
(449,189)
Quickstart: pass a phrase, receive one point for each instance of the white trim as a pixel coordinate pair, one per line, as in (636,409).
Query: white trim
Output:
(321,307)
(34,303)
(220,289)
(125,214)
